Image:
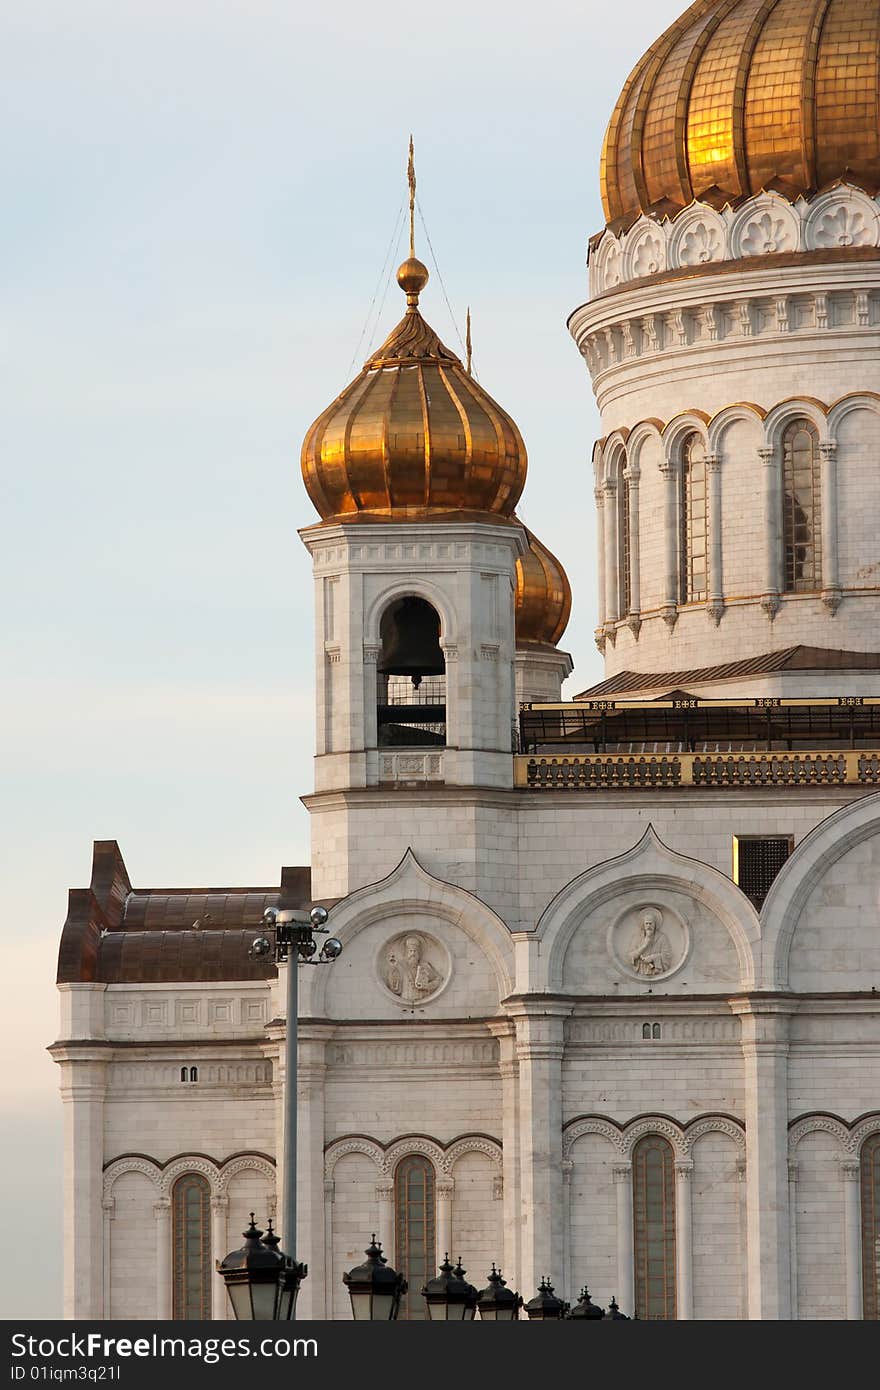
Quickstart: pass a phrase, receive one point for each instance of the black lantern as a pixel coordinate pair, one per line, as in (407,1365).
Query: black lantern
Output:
(448,1295)
(374,1288)
(470,1306)
(615,1314)
(585,1308)
(498,1303)
(262,1282)
(545,1304)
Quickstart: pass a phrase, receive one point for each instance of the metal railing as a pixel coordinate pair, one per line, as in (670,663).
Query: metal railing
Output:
(601,771)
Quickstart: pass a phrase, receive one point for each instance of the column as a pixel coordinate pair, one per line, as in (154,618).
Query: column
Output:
(567,1273)
(715,596)
(850,1169)
(626,1294)
(600,552)
(670,537)
(540,1045)
(329,1198)
(631,475)
(385,1203)
(612,602)
(310,1168)
(792,1237)
(505,1032)
(83,1085)
(108,1207)
(772,532)
(765,1046)
(445,1189)
(219,1249)
(164,1301)
(684,1241)
(830,559)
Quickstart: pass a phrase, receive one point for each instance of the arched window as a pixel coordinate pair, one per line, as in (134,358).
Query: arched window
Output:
(411,676)
(193,1073)
(414,1230)
(801,507)
(191,1248)
(692,527)
(654,1228)
(870,1162)
(624,589)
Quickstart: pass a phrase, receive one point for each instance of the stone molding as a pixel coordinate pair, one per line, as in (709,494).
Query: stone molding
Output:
(624,1137)
(386,1157)
(764,225)
(850,1135)
(164,1177)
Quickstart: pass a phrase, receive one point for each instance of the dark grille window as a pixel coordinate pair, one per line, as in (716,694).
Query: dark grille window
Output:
(654,1228)
(756,862)
(191,1237)
(414,1230)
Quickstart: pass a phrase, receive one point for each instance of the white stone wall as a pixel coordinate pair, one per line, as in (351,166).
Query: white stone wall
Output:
(719,1228)
(821,1278)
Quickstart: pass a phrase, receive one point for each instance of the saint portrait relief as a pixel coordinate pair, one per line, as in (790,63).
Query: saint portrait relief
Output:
(648,942)
(409,972)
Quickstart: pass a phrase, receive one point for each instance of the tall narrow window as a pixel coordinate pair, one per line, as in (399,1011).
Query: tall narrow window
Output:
(624,591)
(191,1247)
(692,521)
(654,1228)
(801,507)
(870,1160)
(416,1256)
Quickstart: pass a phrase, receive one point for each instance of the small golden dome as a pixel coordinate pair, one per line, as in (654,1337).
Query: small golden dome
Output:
(542,603)
(413,433)
(741,95)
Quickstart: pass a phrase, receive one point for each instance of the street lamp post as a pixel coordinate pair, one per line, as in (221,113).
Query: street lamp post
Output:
(261,1281)
(375,1289)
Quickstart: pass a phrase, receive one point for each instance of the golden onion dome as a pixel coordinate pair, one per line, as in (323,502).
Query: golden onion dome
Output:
(542,602)
(414,433)
(742,95)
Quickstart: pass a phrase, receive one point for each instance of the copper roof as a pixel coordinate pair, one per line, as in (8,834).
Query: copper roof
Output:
(798,658)
(114,933)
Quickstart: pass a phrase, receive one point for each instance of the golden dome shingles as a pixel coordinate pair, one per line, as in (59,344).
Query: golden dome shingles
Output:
(542,602)
(740,95)
(413,434)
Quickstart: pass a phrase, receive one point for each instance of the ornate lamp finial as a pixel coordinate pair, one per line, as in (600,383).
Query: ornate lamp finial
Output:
(412,277)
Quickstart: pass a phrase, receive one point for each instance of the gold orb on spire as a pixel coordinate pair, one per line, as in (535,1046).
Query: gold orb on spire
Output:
(412,277)
(742,95)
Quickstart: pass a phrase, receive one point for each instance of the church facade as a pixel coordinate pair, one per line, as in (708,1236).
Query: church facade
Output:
(608,1008)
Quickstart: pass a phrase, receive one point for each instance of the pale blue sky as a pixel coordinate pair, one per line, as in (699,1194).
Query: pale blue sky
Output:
(197,202)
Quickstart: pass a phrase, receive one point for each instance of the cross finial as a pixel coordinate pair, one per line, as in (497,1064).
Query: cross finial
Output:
(411,180)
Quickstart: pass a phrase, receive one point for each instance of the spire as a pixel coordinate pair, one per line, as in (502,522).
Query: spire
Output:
(412,277)
(467,343)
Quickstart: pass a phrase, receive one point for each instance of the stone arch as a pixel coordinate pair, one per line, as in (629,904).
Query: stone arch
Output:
(818,1123)
(195,1163)
(862,1129)
(861,400)
(592,1124)
(795,408)
(471,1143)
(418,587)
(133,1163)
(678,429)
(246,1163)
(714,1124)
(411,888)
(420,1144)
(353,1144)
(800,873)
(614,457)
(742,412)
(649,864)
(655,1124)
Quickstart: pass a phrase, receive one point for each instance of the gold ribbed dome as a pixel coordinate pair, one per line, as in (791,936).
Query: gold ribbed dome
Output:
(413,433)
(741,95)
(542,603)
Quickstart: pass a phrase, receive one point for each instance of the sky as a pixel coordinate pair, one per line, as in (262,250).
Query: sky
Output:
(198,203)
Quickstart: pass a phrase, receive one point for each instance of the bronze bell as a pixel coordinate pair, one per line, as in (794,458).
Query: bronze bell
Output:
(410,632)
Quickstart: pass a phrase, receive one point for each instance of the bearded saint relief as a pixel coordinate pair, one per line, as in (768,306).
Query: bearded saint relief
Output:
(651,953)
(408,974)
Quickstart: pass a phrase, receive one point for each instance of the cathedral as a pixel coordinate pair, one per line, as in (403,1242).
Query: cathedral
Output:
(607,1008)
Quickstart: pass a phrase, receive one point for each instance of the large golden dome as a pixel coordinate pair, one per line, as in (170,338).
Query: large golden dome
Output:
(741,95)
(414,433)
(542,601)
